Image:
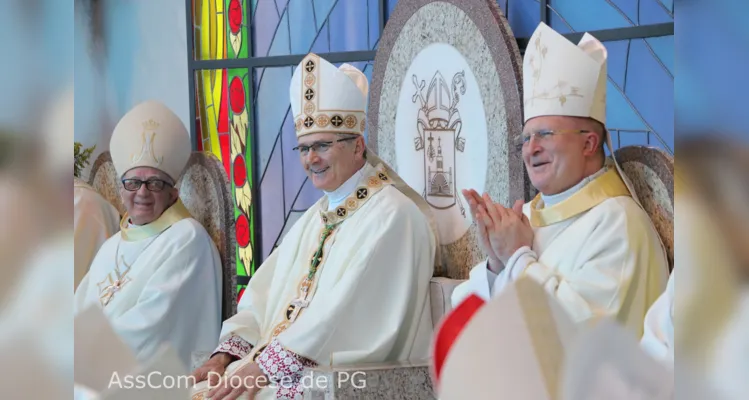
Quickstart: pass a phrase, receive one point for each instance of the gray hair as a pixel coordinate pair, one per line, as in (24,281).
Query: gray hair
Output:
(352,136)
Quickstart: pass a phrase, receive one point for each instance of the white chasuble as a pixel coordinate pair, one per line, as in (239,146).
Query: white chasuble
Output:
(345,286)
(155,282)
(658,336)
(596,252)
(94,221)
(710,301)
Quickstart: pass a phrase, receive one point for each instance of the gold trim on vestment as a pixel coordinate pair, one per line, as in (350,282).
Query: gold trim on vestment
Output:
(171,216)
(606,186)
(372,184)
(313,119)
(331,220)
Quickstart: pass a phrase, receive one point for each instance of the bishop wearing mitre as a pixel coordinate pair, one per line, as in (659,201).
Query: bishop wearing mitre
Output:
(161,272)
(349,282)
(584,237)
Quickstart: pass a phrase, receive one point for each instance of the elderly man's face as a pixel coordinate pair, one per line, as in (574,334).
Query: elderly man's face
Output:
(559,152)
(330,159)
(143,205)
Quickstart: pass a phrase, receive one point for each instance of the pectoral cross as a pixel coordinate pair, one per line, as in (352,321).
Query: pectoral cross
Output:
(299,304)
(107,292)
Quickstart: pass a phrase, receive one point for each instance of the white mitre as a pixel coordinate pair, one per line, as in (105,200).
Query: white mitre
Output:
(561,78)
(512,348)
(564,79)
(150,135)
(328,99)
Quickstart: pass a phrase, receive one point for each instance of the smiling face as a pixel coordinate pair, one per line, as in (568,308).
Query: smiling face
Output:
(144,206)
(556,162)
(329,163)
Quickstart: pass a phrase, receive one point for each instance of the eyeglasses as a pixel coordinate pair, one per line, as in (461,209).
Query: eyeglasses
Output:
(542,134)
(153,185)
(320,147)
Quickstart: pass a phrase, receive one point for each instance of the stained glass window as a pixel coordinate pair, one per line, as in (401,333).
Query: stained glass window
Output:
(321,26)
(589,15)
(219,29)
(219,33)
(640,92)
(241,169)
(223,111)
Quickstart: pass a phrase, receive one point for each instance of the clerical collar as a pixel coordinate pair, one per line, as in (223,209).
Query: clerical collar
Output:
(172,215)
(374,179)
(589,194)
(336,197)
(553,199)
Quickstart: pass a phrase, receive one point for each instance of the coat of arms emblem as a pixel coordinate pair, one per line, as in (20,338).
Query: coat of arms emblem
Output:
(438,125)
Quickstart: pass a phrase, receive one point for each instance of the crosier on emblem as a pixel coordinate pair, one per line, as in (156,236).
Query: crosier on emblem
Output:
(438,125)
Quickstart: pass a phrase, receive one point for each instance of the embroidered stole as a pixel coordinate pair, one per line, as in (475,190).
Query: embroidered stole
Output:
(171,216)
(368,187)
(110,285)
(606,186)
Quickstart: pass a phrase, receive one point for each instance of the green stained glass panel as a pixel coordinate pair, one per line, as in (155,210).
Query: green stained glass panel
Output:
(241,171)
(236,28)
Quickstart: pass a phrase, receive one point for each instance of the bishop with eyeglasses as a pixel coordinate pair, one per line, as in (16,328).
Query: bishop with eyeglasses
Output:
(349,283)
(161,273)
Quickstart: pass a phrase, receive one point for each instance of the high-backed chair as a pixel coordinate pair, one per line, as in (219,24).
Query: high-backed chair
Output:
(104,179)
(444,112)
(651,171)
(205,190)
(450,125)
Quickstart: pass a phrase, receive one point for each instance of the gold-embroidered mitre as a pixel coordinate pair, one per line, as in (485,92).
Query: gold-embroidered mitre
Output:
(561,78)
(328,99)
(150,135)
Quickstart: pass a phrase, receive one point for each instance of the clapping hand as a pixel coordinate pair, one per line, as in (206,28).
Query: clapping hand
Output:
(502,231)
(483,223)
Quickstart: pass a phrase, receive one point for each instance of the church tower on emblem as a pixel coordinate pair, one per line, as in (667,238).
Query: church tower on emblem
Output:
(440,181)
(439,124)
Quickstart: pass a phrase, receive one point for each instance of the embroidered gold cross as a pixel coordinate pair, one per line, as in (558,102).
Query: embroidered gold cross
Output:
(114,285)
